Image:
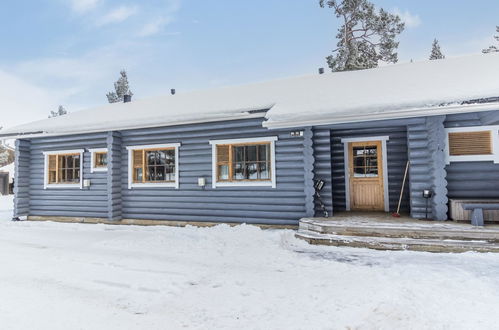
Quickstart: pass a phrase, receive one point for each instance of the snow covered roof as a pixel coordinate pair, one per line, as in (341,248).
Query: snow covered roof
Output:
(392,91)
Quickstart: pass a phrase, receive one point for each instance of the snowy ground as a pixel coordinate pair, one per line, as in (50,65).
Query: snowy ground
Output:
(77,276)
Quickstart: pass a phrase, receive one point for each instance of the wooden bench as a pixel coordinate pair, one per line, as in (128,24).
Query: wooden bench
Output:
(477,211)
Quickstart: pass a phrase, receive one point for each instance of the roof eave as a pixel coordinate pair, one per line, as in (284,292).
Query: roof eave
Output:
(398,114)
(18,135)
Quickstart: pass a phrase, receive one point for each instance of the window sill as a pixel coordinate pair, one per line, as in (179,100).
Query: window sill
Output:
(473,158)
(154,185)
(63,186)
(245,184)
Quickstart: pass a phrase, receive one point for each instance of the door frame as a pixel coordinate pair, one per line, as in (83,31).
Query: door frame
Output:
(384,155)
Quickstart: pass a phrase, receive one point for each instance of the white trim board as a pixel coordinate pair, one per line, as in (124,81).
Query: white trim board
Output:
(473,158)
(384,154)
(46,155)
(272,183)
(131,184)
(92,160)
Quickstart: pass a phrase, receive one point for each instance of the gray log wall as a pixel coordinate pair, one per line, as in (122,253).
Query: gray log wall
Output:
(114,173)
(70,202)
(318,154)
(282,205)
(109,197)
(22,178)
(472,179)
(426,150)
(322,167)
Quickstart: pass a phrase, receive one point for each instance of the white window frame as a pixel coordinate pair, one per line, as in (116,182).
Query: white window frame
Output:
(384,154)
(132,184)
(47,185)
(268,183)
(473,158)
(92,160)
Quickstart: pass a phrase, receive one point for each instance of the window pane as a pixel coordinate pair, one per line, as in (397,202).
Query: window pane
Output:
(264,171)
(252,170)
(170,157)
(151,157)
(239,171)
(263,152)
(372,161)
(100,159)
(223,172)
(160,173)
(151,173)
(239,154)
(170,173)
(162,157)
(251,154)
(372,171)
(359,171)
(358,151)
(359,161)
(137,175)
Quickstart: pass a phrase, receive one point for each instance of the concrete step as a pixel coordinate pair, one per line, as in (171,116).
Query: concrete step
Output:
(414,230)
(398,243)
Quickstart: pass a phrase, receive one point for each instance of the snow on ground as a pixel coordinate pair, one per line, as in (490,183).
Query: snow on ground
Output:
(80,276)
(11,169)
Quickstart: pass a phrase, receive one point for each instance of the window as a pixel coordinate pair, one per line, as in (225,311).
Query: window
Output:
(244,162)
(365,161)
(479,143)
(153,166)
(98,160)
(63,169)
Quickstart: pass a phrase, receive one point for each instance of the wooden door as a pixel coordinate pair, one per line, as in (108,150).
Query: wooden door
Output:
(366,176)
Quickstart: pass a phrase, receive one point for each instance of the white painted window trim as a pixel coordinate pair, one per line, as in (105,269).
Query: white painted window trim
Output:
(92,160)
(272,183)
(131,184)
(384,154)
(46,184)
(473,158)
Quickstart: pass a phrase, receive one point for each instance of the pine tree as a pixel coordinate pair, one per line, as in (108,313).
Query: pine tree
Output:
(121,88)
(366,36)
(492,49)
(60,111)
(436,52)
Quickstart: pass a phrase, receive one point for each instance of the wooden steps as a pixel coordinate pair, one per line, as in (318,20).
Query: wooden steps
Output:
(411,235)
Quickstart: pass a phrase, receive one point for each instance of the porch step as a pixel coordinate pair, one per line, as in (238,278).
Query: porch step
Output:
(426,230)
(398,243)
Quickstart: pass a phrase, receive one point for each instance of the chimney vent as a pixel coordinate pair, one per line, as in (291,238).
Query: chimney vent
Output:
(172,91)
(127,98)
(321,70)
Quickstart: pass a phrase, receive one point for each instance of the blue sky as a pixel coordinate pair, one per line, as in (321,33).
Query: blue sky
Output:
(71,51)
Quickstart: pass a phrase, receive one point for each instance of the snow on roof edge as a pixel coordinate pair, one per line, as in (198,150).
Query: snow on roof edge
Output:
(401,114)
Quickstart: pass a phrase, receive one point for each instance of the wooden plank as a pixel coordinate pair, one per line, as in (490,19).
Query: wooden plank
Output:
(470,143)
